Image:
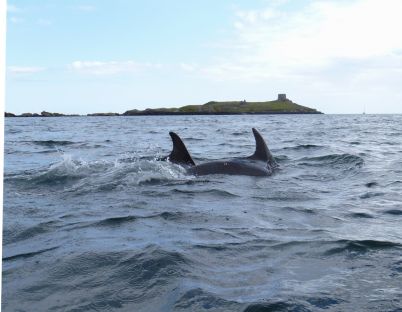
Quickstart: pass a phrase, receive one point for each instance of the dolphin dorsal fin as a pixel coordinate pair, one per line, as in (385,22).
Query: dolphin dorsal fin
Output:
(261,150)
(179,154)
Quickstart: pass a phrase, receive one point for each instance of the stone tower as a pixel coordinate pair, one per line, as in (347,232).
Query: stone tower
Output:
(282,97)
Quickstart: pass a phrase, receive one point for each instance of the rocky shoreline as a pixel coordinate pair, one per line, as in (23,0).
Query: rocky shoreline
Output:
(47,114)
(6,114)
(280,106)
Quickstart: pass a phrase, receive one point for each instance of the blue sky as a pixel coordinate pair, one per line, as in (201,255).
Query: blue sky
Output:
(100,56)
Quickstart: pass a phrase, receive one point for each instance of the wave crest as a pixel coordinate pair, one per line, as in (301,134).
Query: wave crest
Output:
(101,175)
(334,160)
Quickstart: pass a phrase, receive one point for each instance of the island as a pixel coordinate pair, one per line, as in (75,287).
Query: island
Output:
(42,114)
(282,105)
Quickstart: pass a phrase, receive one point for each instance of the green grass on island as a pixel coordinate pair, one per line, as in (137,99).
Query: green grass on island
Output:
(231,107)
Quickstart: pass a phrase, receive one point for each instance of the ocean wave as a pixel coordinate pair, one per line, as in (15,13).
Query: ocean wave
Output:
(120,221)
(397,182)
(371,184)
(334,160)
(168,215)
(300,210)
(276,305)
(51,143)
(289,195)
(248,245)
(58,145)
(28,254)
(281,158)
(327,247)
(191,139)
(197,299)
(361,215)
(303,147)
(323,302)
(371,195)
(239,133)
(213,192)
(115,221)
(77,175)
(63,172)
(394,212)
(152,262)
(12,131)
(360,246)
(83,264)
(15,234)
(135,276)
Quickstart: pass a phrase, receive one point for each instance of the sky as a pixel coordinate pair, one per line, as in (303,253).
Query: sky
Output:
(80,56)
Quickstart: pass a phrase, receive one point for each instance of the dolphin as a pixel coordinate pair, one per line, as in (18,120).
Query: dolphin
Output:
(261,163)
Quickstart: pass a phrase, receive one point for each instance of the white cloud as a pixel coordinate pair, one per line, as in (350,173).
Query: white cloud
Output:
(21,70)
(111,67)
(188,67)
(275,43)
(12,8)
(16,20)
(13,12)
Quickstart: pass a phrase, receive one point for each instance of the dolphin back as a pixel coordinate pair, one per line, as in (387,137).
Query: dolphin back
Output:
(179,154)
(261,150)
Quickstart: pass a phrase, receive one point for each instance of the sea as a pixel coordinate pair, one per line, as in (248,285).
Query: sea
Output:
(93,221)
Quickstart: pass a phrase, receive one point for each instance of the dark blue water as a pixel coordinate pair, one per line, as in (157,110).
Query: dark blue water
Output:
(92,222)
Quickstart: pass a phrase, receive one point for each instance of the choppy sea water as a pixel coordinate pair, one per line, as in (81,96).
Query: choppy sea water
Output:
(92,222)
